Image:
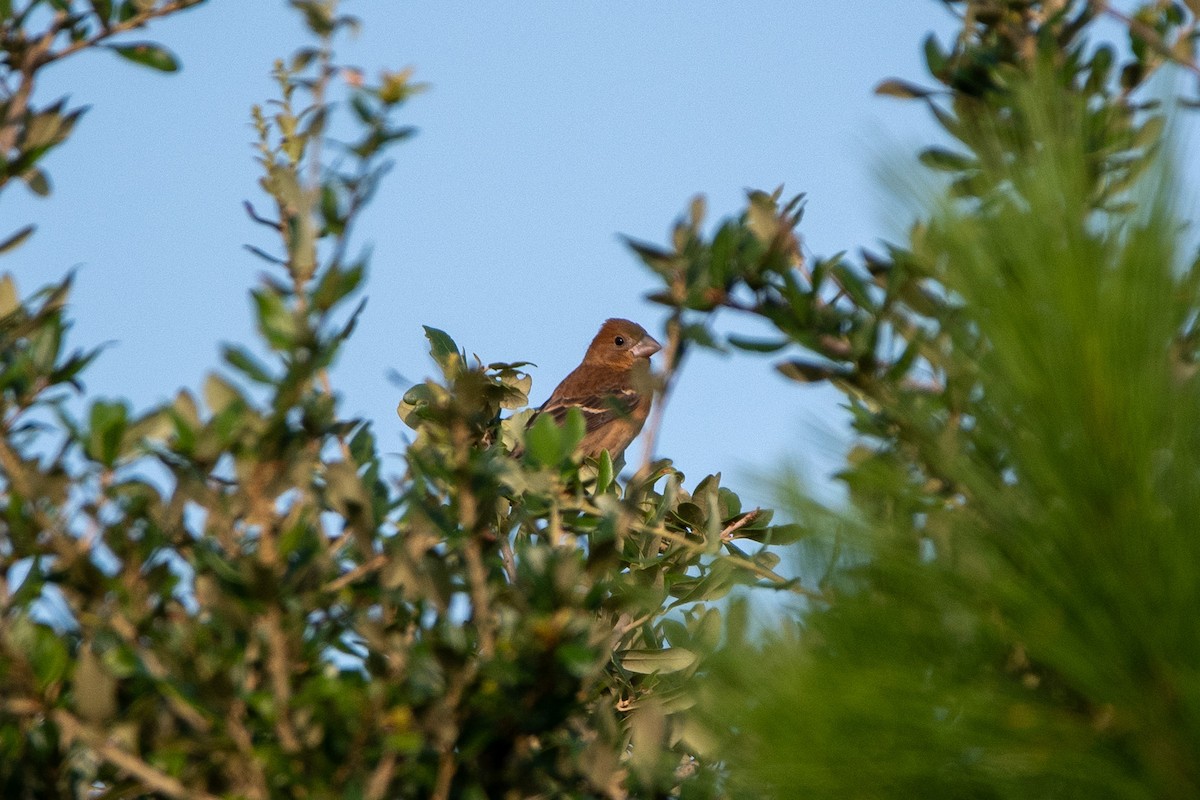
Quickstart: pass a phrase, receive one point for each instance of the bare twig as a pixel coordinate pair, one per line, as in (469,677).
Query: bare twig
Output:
(235,726)
(481,613)
(39,53)
(447,765)
(130,24)
(1149,34)
(739,523)
(448,734)
(281,688)
(21,706)
(75,730)
(256,217)
(627,624)
(128,633)
(509,559)
(327,388)
(358,572)
(381,777)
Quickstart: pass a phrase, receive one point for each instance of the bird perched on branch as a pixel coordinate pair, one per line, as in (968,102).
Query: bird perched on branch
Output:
(612,388)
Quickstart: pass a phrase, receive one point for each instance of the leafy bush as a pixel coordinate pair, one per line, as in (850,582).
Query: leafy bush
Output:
(228,596)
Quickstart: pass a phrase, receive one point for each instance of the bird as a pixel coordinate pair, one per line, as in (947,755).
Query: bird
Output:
(611,387)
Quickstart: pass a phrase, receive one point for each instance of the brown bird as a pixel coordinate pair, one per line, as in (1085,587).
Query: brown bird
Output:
(611,388)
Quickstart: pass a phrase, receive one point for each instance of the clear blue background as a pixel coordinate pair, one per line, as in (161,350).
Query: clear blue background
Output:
(550,129)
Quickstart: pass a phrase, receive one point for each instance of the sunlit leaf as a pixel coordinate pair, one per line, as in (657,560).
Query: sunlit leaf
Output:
(648,661)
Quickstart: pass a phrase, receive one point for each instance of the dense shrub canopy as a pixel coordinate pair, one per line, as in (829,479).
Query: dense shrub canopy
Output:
(228,596)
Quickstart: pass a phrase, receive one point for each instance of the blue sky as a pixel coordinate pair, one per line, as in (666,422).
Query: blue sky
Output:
(550,129)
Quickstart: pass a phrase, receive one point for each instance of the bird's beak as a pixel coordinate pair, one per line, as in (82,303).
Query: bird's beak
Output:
(647,347)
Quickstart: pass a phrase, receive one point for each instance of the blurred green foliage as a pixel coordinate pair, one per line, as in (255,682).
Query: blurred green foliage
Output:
(1017,618)
(229,596)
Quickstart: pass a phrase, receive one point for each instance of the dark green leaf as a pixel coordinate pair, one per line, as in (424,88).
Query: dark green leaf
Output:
(240,359)
(945,160)
(442,348)
(107,430)
(103,9)
(276,322)
(894,87)
(807,372)
(147,54)
(37,181)
(17,239)
(935,58)
(758,345)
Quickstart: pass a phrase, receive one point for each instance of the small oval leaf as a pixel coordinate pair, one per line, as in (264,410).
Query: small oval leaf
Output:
(148,55)
(16,239)
(645,662)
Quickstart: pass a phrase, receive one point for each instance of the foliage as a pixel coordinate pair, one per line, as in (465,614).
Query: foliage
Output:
(228,596)
(1021,377)
(45,31)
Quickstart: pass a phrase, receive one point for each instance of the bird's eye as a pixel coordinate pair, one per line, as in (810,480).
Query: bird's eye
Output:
(619,341)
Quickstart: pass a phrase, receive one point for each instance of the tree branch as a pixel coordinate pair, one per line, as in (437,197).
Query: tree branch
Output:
(75,730)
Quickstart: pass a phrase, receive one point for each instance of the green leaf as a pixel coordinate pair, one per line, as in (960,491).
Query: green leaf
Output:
(657,259)
(43,649)
(103,9)
(345,493)
(240,359)
(219,394)
(675,632)
(37,181)
(543,440)
(894,87)
(691,515)
(443,349)
(806,371)
(147,54)
(412,402)
(707,633)
(783,534)
(663,662)
(154,426)
(107,423)
(335,284)
(46,345)
(767,559)
(854,283)
(44,130)
(758,345)
(318,16)
(362,444)
(1101,67)
(17,239)
(945,160)
(713,586)
(1145,137)
(276,322)
(186,416)
(935,59)
(95,689)
(730,503)
(604,472)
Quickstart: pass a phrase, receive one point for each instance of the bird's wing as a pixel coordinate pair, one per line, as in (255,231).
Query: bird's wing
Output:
(598,409)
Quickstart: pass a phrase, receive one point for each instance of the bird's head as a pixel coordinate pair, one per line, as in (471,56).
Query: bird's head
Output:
(620,343)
